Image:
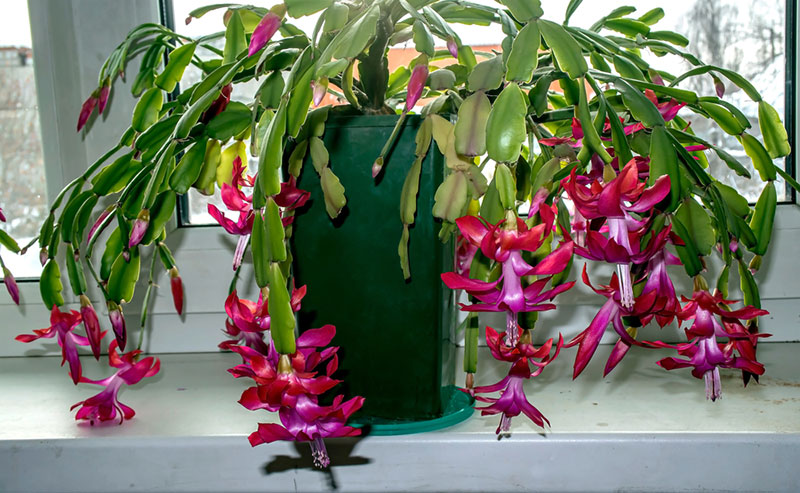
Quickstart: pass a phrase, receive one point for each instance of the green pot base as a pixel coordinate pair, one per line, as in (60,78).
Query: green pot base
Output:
(458,407)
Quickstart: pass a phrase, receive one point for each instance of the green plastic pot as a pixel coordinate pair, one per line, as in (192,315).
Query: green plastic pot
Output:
(394,335)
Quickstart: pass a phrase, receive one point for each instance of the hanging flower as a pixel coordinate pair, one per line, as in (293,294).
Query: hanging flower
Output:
(92,325)
(63,324)
(704,353)
(512,400)
(105,405)
(264,31)
(118,324)
(86,110)
(416,83)
(11,285)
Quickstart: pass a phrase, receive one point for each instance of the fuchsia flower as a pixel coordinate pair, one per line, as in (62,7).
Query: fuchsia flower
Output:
(307,421)
(611,313)
(248,321)
(503,244)
(704,354)
(512,400)
(62,324)
(86,110)
(105,405)
(419,75)
(290,385)
(11,285)
(614,201)
(665,304)
(219,104)
(2,216)
(263,32)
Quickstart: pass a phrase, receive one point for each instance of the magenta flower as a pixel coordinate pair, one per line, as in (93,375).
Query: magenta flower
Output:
(615,201)
(219,104)
(117,323)
(105,405)
(503,244)
(11,285)
(86,110)
(92,325)
(665,304)
(704,354)
(103,215)
(610,313)
(102,99)
(307,421)
(419,75)
(512,400)
(62,324)
(263,32)
(575,140)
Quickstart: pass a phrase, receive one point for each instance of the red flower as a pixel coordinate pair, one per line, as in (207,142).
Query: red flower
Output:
(105,405)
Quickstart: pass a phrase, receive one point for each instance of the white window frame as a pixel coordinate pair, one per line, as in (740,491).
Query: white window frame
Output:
(71,40)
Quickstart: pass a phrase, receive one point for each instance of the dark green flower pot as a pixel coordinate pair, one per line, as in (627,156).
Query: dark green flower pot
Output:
(394,335)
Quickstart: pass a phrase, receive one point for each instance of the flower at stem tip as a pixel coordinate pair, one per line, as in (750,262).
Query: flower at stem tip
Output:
(265,29)
(11,285)
(176,284)
(92,325)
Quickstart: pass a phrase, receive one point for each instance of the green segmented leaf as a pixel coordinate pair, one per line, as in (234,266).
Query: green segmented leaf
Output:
(724,118)
(423,39)
(735,202)
(77,280)
(82,220)
(761,160)
(764,218)
(669,37)
(440,79)
(147,109)
(259,241)
(524,10)
(491,207)
(335,17)
(123,277)
(276,245)
(160,213)
(7,241)
(179,59)
(571,8)
(235,40)
(506,186)
(626,68)
(664,161)
(750,294)
(333,192)
(688,252)
(300,8)
(628,27)
(522,60)
(352,41)
(189,168)
(145,78)
(772,131)
(408,196)
(50,286)
(505,128)
(451,197)
(154,137)
(470,128)
(110,253)
(71,212)
(538,95)
(590,135)
(233,120)
(640,107)
(487,75)
(652,16)
(282,320)
(564,47)
(698,224)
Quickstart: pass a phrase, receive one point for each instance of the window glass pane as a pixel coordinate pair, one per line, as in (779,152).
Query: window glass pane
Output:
(745,36)
(23,195)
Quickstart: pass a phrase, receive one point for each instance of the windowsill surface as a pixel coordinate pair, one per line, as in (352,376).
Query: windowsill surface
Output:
(641,428)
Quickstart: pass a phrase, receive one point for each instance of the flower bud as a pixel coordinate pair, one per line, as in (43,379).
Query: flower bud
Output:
(11,285)
(2,216)
(139,228)
(118,324)
(755,264)
(415,84)
(177,289)
(452,47)
(377,166)
(700,284)
(264,31)
(102,99)
(43,256)
(99,221)
(86,110)
(319,89)
(92,325)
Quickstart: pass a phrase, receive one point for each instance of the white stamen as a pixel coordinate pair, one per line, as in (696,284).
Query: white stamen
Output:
(713,384)
(625,285)
(319,453)
(512,334)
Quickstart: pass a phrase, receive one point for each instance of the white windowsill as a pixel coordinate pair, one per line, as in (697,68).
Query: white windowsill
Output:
(642,428)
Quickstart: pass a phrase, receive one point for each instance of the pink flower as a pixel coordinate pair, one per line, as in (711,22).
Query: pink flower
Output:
(86,110)
(263,32)
(512,400)
(105,405)
(419,75)
(63,325)
(576,140)
(307,421)
(11,285)
(704,354)
(248,321)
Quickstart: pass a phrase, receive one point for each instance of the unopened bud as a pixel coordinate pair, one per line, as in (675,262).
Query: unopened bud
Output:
(469,382)
(755,264)
(285,364)
(700,284)
(139,228)
(377,166)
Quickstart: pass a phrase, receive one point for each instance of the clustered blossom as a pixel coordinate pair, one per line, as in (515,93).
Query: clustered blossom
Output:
(522,355)
(704,353)
(291,385)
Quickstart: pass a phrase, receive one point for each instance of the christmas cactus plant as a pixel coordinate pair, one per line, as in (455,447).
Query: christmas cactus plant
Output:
(572,122)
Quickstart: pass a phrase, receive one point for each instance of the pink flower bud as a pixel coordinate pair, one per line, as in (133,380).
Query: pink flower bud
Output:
(2,216)
(419,75)
(99,221)
(452,47)
(219,104)
(377,166)
(177,289)
(92,325)
(102,100)
(11,285)
(117,323)
(719,86)
(86,111)
(139,228)
(319,89)
(43,256)
(263,32)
